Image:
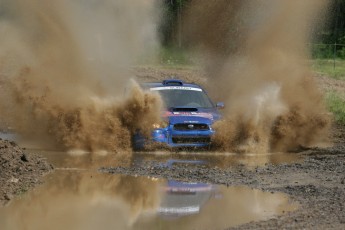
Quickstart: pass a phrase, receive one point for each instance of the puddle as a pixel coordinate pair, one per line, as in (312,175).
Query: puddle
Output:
(77,196)
(221,160)
(8,136)
(80,160)
(90,200)
(86,161)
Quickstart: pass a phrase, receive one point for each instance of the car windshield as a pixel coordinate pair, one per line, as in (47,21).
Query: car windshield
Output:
(193,97)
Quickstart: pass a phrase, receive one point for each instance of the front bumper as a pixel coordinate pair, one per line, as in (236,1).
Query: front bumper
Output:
(176,138)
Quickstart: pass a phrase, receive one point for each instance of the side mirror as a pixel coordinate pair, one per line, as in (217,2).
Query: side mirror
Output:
(220,105)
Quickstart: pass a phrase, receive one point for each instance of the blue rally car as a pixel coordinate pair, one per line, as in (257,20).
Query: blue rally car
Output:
(188,116)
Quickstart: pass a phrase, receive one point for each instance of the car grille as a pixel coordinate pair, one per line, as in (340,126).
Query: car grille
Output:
(190,140)
(188,126)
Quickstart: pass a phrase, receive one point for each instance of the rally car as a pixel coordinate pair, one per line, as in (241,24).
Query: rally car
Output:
(187,119)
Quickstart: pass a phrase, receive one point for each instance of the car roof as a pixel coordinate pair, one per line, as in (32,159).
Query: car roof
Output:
(169,83)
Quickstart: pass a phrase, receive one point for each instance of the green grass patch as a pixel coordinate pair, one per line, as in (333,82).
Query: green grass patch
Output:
(172,56)
(169,57)
(336,104)
(329,67)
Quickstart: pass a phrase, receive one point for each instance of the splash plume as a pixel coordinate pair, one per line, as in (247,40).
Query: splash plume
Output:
(256,53)
(64,66)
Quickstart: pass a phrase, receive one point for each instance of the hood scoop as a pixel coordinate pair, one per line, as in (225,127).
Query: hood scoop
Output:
(183,109)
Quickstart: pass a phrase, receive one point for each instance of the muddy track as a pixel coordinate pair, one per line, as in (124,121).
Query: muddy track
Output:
(317,182)
(19,171)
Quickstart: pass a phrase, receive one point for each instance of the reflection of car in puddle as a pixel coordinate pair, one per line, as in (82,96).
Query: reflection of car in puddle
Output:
(90,200)
(184,198)
(181,198)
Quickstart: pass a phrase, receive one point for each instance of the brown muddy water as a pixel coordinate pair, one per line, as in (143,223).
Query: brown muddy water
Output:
(77,196)
(78,160)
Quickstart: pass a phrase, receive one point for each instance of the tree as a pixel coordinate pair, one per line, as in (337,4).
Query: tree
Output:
(170,28)
(334,31)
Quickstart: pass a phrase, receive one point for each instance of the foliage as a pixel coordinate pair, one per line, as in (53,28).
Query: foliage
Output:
(169,26)
(174,56)
(329,67)
(334,29)
(327,51)
(336,104)
(332,32)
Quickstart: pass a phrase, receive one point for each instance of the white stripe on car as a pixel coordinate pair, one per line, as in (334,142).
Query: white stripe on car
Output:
(175,87)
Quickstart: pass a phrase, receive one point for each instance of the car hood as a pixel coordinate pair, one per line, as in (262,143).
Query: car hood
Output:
(205,116)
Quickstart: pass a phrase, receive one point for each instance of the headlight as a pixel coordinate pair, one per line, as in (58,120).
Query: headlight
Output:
(160,125)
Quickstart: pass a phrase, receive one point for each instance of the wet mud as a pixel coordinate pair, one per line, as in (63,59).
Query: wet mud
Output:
(317,183)
(19,170)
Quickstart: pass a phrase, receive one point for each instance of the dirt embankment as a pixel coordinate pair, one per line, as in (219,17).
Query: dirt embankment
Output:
(19,171)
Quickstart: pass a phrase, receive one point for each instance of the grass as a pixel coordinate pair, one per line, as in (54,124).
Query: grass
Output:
(169,57)
(336,104)
(329,67)
(174,57)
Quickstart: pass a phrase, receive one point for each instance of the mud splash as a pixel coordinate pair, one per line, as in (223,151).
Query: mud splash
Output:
(64,67)
(256,53)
